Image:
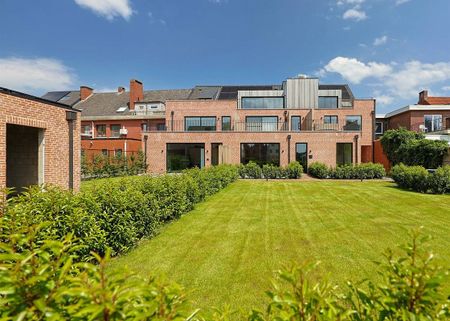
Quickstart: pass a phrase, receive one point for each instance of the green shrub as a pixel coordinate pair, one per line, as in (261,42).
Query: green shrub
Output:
(252,170)
(293,170)
(440,180)
(270,171)
(318,170)
(411,148)
(411,177)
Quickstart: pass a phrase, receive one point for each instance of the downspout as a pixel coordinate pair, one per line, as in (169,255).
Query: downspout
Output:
(289,148)
(356,149)
(145,152)
(71,116)
(171,120)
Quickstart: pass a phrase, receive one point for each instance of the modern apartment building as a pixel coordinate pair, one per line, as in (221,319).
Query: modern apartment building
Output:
(299,119)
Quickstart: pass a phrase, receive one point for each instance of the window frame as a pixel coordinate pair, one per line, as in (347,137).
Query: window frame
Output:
(222,123)
(258,143)
(111,131)
(346,124)
(331,116)
(263,97)
(259,126)
(200,146)
(97,131)
(351,154)
(186,118)
(329,97)
(432,122)
(376,127)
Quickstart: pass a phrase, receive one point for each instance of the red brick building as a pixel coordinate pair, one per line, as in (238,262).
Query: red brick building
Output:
(297,120)
(39,142)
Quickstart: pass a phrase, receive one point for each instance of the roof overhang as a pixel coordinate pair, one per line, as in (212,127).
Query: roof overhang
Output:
(123,117)
(405,109)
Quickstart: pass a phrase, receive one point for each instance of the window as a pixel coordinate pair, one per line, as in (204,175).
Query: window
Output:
(200,123)
(379,128)
(344,153)
(153,106)
(183,156)
(86,130)
(226,123)
(101,130)
(104,152)
(433,123)
(262,103)
(145,127)
(115,130)
(161,127)
(301,155)
(121,109)
(330,119)
(260,153)
(118,152)
(328,102)
(296,123)
(261,123)
(352,123)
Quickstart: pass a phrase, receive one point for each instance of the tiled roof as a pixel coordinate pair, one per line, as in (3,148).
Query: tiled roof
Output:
(437,100)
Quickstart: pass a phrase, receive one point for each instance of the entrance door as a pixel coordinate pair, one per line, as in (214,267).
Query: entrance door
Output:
(301,155)
(216,154)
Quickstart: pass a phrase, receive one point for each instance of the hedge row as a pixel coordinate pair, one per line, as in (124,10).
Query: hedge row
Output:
(359,171)
(114,214)
(269,171)
(418,179)
(102,166)
(38,281)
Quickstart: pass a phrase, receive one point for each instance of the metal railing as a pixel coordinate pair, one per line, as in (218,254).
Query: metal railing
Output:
(305,125)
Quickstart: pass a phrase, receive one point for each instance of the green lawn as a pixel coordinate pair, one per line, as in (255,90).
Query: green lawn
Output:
(225,251)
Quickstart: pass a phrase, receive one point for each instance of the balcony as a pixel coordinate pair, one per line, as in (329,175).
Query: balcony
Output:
(262,127)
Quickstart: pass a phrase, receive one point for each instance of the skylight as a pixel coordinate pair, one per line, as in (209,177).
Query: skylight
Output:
(121,109)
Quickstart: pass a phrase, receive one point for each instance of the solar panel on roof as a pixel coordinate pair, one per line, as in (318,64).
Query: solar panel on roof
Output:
(55,95)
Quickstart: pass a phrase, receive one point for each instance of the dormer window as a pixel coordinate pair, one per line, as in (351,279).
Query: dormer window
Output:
(328,102)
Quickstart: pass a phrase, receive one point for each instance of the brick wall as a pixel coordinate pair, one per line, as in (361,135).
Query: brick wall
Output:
(52,119)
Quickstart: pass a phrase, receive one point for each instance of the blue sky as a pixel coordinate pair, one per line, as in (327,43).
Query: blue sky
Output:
(387,49)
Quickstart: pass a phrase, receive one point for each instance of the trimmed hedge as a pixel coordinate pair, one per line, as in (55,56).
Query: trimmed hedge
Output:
(418,179)
(360,171)
(114,214)
(268,171)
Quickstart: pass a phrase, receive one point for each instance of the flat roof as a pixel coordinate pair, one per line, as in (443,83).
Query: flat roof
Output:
(414,108)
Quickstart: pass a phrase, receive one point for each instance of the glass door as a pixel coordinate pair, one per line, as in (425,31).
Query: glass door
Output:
(301,155)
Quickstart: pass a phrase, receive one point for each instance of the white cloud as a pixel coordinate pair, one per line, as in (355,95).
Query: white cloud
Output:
(33,75)
(108,8)
(380,41)
(342,2)
(394,80)
(355,71)
(383,99)
(400,2)
(355,14)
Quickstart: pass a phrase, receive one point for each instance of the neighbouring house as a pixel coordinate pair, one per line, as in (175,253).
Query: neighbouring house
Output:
(112,123)
(431,116)
(299,119)
(39,142)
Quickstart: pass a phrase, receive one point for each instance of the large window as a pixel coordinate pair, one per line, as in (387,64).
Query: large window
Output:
(261,123)
(433,122)
(330,119)
(260,153)
(301,155)
(226,123)
(115,130)
(328,102)
(352,123)
(262,103)
(183,156)
(86,130)
(200,123)
(296,123)
(101,130)
(344,153)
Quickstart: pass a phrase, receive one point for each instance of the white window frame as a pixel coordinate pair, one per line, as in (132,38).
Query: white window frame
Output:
(432,121)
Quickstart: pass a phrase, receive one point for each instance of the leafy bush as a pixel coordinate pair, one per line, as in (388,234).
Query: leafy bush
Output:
(270,171)
(440,180)
(360,171)
(318,170)
(411,148)
(418,179)
(252,170)
(293,170)
(102,166)
(115,214)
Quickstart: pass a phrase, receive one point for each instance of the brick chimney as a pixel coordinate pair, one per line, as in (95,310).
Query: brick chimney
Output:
(121,89)
(136,92)
(85,92)
(423,96)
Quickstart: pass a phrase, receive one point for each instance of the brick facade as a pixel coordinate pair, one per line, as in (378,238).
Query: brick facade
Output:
(51,121)
(321,144)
